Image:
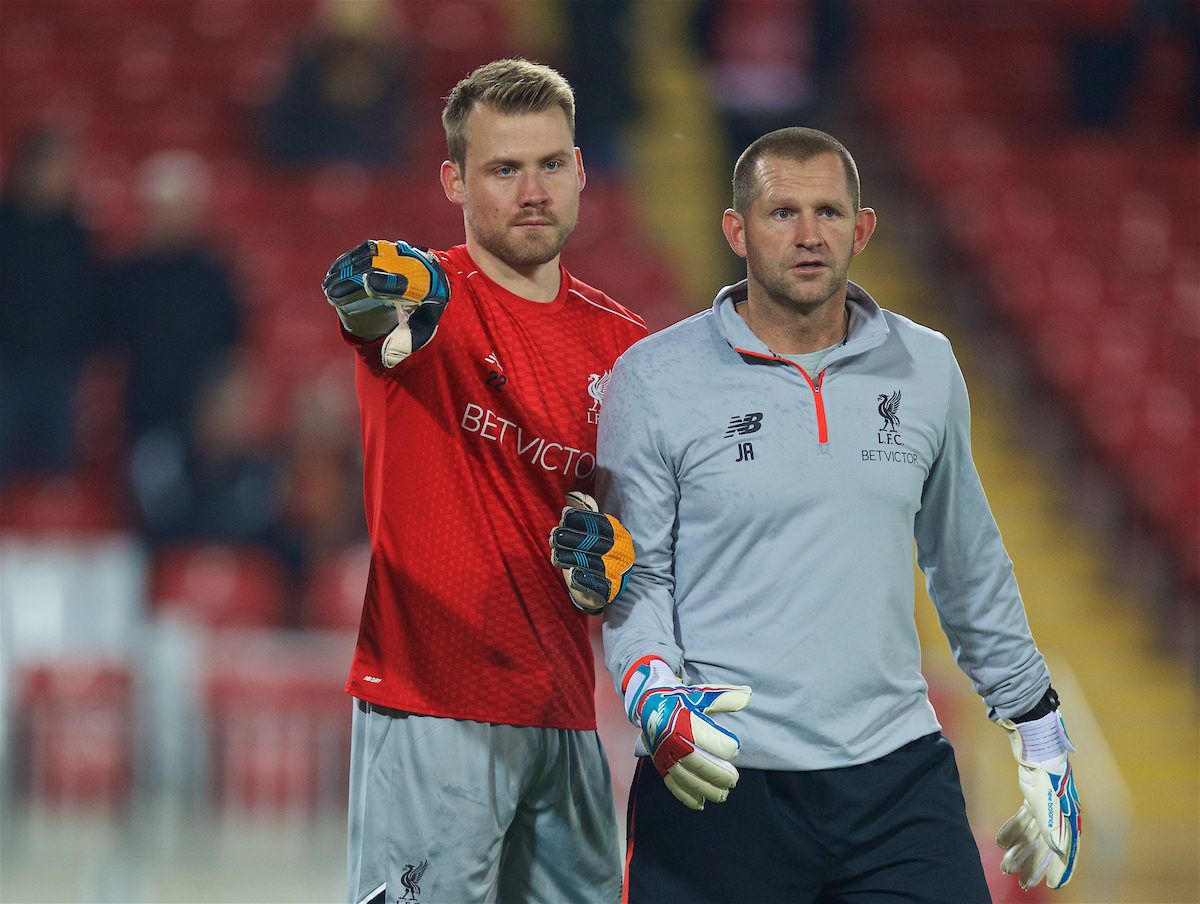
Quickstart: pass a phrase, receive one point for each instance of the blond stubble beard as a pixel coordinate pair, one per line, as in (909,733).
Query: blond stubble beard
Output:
(501,245)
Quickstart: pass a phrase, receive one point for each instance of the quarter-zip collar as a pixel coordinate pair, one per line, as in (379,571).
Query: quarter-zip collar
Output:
(866,330)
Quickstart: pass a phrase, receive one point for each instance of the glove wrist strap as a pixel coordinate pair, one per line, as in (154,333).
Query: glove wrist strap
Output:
(1044,740)
(647,674)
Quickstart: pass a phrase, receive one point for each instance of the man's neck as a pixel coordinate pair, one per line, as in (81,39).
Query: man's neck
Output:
(536,282)
(788,331)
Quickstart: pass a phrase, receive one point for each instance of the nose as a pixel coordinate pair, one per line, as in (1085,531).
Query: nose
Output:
(808,236)
(532,190)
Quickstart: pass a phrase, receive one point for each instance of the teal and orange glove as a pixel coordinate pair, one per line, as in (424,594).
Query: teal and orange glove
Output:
(1042,840)
(690,751)
(593,551)
(391,289)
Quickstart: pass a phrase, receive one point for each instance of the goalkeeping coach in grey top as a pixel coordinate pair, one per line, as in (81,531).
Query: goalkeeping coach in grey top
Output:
(773,459)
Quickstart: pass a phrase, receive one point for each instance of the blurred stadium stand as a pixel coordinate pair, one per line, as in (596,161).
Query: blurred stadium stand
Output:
(1063,259)
(1090,238)
(130,679)
(125,679)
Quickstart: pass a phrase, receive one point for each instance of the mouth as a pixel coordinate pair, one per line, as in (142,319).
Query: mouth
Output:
(809,266)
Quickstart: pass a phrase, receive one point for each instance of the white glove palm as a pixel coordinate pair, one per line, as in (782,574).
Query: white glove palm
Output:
(1042,839)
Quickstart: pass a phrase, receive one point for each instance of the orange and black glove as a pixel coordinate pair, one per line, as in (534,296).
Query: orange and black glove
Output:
(594,551)
(391,289)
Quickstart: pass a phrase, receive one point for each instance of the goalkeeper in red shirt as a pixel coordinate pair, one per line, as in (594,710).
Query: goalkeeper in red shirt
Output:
(476,770)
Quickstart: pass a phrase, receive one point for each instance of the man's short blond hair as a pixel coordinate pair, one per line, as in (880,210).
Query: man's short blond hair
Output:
(507,86)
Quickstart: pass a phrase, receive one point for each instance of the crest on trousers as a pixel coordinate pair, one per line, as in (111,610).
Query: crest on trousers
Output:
(411,880)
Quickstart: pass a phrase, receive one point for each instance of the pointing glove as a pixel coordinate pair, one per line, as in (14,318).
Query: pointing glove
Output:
(1042,839)
(594,552)
(690,750)
(391,288)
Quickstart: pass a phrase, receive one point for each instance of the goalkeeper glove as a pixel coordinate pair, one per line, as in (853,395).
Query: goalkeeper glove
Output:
(391,288)
(690,750)
(594,552)
(1042,839)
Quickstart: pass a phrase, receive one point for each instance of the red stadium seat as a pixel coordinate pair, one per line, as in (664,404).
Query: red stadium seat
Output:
(279,721)
(219,585)
(61,505)
(74,732)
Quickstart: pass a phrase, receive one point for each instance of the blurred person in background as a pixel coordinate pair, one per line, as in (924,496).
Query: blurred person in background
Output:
(345,96)
(775,458)
(771,62)
(322,504)
(1107,43)
(477,773)
(173,316)
(234,479)
(48,308)
(599,39)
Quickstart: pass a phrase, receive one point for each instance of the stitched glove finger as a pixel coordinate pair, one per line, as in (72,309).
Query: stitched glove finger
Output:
(395,272)
(699,777)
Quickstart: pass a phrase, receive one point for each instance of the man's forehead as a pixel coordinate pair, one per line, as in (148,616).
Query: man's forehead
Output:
(825,172)
(487,126)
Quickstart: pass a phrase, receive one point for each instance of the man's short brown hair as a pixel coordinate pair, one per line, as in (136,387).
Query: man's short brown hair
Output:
(794,143)
(509,87)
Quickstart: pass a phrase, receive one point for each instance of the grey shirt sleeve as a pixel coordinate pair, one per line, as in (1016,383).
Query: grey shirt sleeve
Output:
(635,481)
(969,574)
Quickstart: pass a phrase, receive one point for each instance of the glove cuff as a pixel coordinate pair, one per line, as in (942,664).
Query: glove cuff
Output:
(648,673)
(1040,742)
(655,664)
(1044,739)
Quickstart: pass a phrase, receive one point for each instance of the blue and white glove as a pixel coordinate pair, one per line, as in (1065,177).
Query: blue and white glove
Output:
(1042,840)
(690,750)
(391,289)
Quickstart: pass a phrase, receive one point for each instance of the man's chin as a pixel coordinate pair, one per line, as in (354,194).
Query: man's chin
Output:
(531,251)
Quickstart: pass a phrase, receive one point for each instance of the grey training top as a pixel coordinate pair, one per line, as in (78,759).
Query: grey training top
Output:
(773,515)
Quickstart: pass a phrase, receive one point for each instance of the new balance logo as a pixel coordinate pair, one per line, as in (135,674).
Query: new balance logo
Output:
(747,423)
